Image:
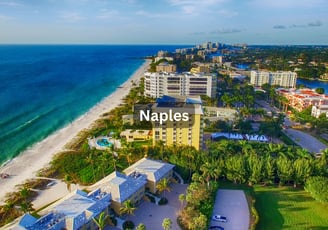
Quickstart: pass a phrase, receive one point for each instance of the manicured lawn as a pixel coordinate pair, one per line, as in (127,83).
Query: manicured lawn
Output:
(289,208)
(285,207)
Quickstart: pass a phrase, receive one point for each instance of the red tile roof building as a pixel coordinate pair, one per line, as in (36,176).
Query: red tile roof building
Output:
(301,99)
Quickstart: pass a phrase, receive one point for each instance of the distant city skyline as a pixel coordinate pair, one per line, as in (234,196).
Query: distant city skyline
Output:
(262,22)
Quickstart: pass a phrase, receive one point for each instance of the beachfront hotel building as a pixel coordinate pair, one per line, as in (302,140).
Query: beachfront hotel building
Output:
(155,171)
(301,99)
(286,79)
(179,132)
(72,212)
(180,84)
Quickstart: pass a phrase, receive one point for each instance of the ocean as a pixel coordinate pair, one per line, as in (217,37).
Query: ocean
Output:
(45,87)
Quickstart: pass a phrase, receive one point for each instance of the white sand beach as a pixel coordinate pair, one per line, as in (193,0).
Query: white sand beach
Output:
(29,162)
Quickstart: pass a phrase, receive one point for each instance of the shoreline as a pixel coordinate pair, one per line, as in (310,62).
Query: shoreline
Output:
(29,162)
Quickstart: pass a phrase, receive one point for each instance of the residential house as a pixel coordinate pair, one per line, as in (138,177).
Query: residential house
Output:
(72,212)
(136,135)
(155,171)
(123,188)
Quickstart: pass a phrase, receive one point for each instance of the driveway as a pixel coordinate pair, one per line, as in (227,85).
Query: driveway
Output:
(152,215)
(233,205)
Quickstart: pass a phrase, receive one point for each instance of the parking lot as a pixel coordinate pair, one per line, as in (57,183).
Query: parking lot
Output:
(233,205)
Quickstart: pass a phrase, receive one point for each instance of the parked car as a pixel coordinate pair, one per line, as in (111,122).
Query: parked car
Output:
(51,183)
(216,228)
(219,218)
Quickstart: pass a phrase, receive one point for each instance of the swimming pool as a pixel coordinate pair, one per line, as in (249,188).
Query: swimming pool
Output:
(103,142)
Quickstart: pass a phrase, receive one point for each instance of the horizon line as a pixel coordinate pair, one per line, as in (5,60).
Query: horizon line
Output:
(154,44)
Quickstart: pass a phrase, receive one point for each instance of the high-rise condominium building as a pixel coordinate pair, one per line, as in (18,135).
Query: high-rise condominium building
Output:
(285,79)
(174,132)
(183,84)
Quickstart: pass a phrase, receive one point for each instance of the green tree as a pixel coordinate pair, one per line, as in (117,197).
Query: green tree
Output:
(255,166)
(25,193)
(163,185)
(199,222)
(182,198)
(167,224)
(208,171)
(68,180)
(302,170)
(320,90)
(235,169)
(127,208)
(26,206)
(101,221)
(141,227)
(284,169)
(269,169)
(317,186)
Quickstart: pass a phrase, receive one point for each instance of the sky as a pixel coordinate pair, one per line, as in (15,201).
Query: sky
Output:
(261,22)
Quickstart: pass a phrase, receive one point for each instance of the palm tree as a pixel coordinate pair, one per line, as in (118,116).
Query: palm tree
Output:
(68,181)
(25,192)
(141,227)
(208,171)
(127,208)
(26,206)
(167,224)
(182,198)
(101,221)
(163,185)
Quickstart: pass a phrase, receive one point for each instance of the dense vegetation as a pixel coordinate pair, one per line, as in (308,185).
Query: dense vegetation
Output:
(308,61)
(200,201)
(318,187)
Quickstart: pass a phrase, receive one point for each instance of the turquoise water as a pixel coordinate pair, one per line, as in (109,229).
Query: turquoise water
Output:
(45,87)
(104,143)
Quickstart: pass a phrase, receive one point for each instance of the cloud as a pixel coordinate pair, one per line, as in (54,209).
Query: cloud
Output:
(315,24)
(227,13)
(287,4)
(299,26)
(4,18)
(10,4)
(226,31)
(197,33)
(150,15)
(72,17)
(194,6)
(105,14)
(279,27)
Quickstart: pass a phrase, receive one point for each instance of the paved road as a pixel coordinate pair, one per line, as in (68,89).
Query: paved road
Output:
(152,215)
(233,205)
(305,140)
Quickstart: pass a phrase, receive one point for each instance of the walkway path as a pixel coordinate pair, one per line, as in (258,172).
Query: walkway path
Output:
(178,176)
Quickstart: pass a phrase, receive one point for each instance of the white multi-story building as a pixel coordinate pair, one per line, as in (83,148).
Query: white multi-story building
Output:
(182,84)
(285,79)
(317,110)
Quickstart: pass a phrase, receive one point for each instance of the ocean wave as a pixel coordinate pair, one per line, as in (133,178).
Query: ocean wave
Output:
(24,125)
